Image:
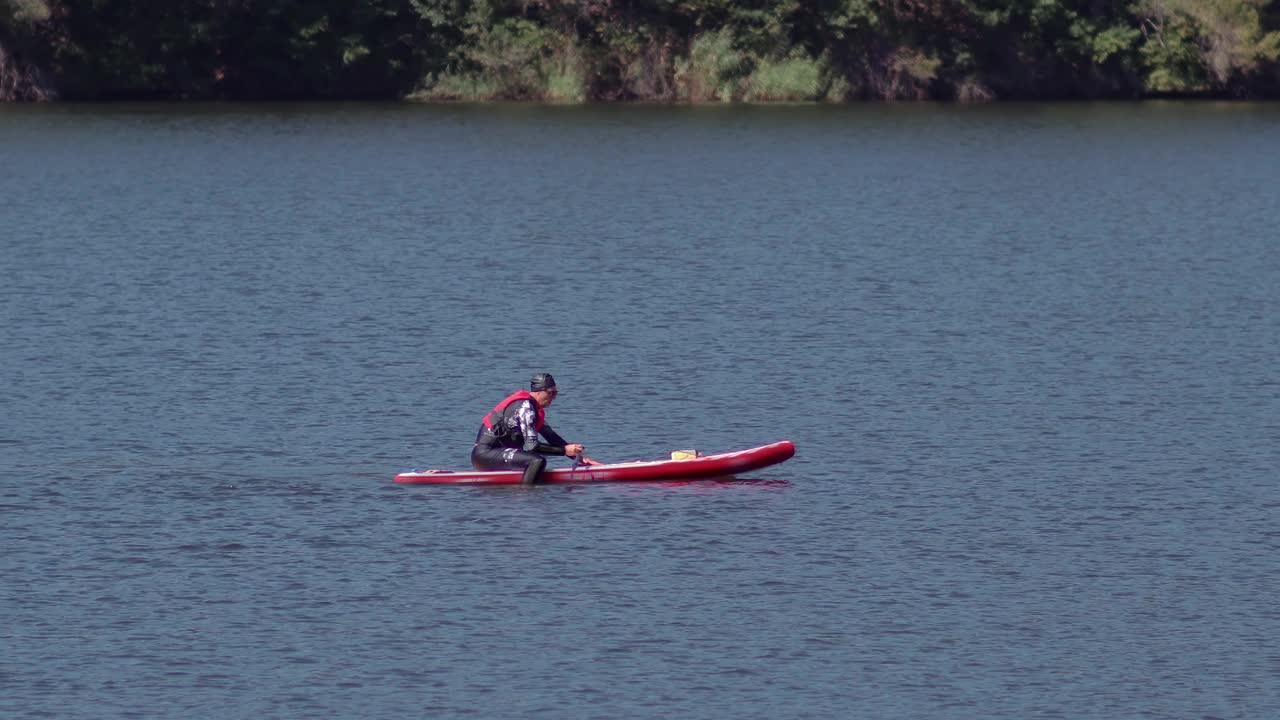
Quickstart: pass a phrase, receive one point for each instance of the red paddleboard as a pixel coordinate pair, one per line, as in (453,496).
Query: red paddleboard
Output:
(707,466)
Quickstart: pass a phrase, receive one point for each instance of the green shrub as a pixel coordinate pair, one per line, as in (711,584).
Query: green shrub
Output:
(516,59)
(794,78)
(713,70)
(566,76)
(27,11)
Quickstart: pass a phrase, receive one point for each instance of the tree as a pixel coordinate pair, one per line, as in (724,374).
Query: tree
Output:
(1205,45)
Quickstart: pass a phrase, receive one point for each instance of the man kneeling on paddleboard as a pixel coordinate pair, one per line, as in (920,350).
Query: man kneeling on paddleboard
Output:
(508,437)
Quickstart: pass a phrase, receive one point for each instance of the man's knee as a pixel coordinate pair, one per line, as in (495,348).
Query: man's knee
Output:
(533,471)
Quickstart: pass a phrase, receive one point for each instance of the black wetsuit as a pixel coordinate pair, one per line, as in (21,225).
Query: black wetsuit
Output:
(512,443)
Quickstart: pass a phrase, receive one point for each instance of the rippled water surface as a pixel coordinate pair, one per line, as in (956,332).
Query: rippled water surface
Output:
(1027,353)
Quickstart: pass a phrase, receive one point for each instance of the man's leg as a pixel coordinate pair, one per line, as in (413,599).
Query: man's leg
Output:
(494,458)
(533,471)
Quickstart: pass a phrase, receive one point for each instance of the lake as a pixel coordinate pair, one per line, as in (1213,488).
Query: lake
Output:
(1027,353)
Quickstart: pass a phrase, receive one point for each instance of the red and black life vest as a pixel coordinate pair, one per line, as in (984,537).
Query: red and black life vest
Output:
(495,415)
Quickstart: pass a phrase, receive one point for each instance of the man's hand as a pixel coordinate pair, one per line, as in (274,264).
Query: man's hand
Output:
(573,449)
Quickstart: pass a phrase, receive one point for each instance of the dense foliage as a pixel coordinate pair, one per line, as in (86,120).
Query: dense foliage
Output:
(678,50)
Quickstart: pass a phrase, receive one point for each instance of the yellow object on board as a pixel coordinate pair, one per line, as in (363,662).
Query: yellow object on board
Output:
(685,454)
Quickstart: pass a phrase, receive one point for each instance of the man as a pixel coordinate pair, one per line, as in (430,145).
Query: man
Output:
(508,436)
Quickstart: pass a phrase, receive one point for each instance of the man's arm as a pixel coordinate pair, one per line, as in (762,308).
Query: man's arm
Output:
(527,417)
(552,436)
(563,446)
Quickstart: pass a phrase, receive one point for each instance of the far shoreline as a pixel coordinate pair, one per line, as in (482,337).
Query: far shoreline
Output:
(410,100)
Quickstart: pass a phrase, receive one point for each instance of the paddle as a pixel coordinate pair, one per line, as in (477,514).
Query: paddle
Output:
(581,458)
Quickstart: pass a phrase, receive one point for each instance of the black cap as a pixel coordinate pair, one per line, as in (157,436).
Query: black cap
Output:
(542,381)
